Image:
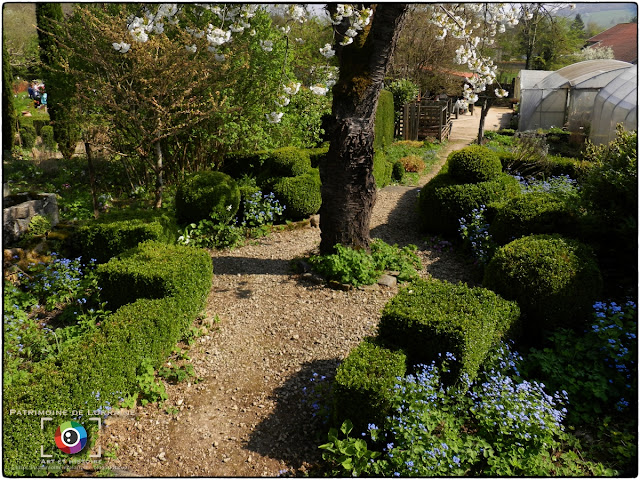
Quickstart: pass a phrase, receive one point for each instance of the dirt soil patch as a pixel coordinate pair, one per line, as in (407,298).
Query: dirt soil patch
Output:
(248,416)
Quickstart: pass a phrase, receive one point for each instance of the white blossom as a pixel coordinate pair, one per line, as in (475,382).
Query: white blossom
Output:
(266,45)
(501,93)
(297,13)
(299,41)
(346,41)
(351,33)
(327,51)
(292,88)
(282,101)
(319,89)
(121,47)
(191,48)
(236,28)
(441,34)
(274,117)
(218,36)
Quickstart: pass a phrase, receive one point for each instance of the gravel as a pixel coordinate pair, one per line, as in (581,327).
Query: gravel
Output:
(268,330)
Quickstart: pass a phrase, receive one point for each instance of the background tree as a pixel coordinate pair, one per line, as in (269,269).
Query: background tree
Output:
(8,110)
(422,60)
(536,20)
(59,82)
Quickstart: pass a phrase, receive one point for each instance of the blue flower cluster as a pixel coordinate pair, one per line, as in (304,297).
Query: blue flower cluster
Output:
(261,210)
(316,395)
(474,230)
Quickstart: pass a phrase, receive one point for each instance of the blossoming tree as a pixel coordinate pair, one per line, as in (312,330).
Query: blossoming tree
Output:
(365,36)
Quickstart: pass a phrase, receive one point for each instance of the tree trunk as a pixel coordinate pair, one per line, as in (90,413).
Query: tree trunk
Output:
(92,179)
(158,171)
(483,116)
(348,186)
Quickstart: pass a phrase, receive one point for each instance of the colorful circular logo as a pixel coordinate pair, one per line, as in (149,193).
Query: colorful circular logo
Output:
(71,437)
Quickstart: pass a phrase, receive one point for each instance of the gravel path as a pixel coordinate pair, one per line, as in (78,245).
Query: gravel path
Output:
(248,415)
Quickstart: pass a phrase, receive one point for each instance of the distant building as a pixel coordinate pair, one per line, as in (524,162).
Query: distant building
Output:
(623,40)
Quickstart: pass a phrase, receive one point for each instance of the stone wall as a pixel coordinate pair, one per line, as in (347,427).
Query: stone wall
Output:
(20,208)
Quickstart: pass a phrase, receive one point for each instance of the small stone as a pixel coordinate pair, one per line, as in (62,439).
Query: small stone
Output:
(387,281)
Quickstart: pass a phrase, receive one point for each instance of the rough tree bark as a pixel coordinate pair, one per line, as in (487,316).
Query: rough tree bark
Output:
(348,186)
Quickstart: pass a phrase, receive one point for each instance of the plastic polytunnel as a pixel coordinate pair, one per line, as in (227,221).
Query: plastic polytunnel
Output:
(567,96)
(616,103)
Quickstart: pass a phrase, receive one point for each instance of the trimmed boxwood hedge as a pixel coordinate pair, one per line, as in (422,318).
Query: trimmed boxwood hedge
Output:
(552,166)
(384,126)
(554,279)
(531,213)
(429,317)
(443,201)
(116,232)
(156,270)
(474,164)
(202,193)
(28,136)
(382,169)
(301,195)
(106,361)
(364,383)
(288,162)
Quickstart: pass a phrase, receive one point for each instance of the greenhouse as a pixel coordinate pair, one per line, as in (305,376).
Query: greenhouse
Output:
(567,97)
(616,103)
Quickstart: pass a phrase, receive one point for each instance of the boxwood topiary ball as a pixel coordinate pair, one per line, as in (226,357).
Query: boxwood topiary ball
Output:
(203,193)
(474,164)
(300,195)
(554,279)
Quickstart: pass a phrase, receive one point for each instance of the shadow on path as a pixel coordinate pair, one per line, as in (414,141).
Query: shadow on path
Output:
(233,265)
(294,430)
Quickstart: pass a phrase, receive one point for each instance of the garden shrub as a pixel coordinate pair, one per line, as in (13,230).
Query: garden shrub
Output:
(397,172)
(412,163)
(99,370)
(385,121)
(443,202)
(382,169)
(474,164)
(317,155)
(117,232)
(157,270)
(301,194)
(288,162)
(39,125)
(237,164)
(428,317)
(47,137)
(205,193)
(545,167)
(532,213)
(364,383)
(554,280)
(28,136)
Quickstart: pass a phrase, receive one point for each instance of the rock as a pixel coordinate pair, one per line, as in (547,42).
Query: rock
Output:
(387,281)
(21,208)
(314,221)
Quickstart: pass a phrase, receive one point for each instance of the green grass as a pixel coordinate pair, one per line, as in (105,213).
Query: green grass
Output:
(23,103)
(427,151)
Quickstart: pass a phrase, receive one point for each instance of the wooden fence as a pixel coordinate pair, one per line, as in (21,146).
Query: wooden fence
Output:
(426,118)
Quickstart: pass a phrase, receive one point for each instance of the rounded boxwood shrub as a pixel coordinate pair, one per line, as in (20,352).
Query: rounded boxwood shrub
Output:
(204,193)
(364,383)
(289,162)
(554,279)
(28,136)
(532,213)
(397,174)
(474,164)
(443,202)
(301,194)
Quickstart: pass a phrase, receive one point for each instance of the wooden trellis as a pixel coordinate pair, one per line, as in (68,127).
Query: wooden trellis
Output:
(426,118)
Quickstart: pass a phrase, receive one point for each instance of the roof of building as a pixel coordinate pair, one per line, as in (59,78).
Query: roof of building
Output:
(623,40)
